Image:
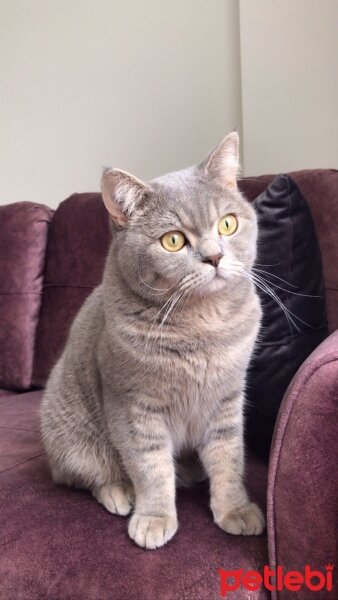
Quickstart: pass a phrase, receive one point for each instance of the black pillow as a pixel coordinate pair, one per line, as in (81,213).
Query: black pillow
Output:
(289,261)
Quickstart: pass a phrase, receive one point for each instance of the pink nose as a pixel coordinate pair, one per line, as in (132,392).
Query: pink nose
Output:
(213,260)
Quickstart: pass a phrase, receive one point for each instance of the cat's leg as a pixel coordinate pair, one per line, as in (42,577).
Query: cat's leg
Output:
(115,494)
(79,449)
(154,521)
(96,469)
(222,455)
(148,459)
(107,486)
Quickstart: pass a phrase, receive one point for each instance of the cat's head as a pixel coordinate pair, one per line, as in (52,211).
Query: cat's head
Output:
(189,231)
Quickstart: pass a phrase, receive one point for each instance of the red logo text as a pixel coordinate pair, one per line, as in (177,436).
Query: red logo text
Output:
(276,579)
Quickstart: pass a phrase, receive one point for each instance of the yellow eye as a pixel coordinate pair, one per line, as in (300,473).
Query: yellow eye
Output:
(227,225)
(173,241)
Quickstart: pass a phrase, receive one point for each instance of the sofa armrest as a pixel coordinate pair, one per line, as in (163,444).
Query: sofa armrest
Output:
(23,240)
(302,485)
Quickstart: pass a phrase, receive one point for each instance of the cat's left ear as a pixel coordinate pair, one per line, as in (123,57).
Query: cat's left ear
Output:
(223,163)
(122,193)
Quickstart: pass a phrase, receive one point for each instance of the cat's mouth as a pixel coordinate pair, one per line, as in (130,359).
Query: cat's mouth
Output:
(212,282)
(206,281)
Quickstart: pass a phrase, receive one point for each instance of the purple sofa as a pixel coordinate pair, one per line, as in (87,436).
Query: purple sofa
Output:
(58,543)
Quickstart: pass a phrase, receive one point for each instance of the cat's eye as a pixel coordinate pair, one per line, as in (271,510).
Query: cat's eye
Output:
(173,241)
(227,225)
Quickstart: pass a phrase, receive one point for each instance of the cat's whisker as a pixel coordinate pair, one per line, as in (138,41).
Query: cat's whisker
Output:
(285,290)
(270,293)
(262,284)
(273,275)
(161,290)
(186,297)
(156,317)
(168,301)
(266,288)
(263,265)
(164,306)
(184,287)
(172,305)
(289,311)
(172,308)
(152,324)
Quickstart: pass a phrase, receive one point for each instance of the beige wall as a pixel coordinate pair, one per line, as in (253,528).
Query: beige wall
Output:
(289,60)
(151,85)
(146,85)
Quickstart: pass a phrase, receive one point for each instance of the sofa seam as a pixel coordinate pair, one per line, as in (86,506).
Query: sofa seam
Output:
(66,285)
(21,462)
(312,372)
(40,308)
(19,429)
(24,293)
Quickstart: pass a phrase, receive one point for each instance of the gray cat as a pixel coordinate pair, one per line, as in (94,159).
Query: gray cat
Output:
(154,369)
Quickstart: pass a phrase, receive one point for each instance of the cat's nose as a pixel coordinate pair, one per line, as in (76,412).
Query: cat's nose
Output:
(213,260)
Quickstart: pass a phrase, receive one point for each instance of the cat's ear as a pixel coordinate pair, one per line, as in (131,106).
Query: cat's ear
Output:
(223,163)
(122,193)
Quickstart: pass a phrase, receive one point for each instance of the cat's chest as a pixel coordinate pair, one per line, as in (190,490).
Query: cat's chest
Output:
(194,394)
(200,372)
(197,390)
(201,358)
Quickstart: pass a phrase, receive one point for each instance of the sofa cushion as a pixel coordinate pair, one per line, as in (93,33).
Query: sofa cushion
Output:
(78,243)
(289,267)
(320,189)
(59,543)
(23,238)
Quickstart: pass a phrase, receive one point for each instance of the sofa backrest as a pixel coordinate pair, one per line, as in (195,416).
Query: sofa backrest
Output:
(78,242)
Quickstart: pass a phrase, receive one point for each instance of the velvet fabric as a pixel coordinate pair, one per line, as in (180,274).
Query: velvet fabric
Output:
(23,238)
(302,488)
(7,393)
(78,243)
(58,543)
(289,261)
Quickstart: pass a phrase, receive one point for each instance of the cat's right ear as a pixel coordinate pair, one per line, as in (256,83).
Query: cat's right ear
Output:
(122,193)
(222,164)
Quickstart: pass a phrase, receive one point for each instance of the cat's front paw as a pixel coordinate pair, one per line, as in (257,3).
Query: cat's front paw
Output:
(152,532)
(246,520)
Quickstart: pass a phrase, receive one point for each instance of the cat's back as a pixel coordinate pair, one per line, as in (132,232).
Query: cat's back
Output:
(71,415)
(77,366)
(87,327)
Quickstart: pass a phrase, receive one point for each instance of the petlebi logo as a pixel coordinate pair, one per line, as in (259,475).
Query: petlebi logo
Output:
(275,579)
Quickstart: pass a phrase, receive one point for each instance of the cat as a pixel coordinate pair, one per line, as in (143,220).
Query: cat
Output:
(154,369)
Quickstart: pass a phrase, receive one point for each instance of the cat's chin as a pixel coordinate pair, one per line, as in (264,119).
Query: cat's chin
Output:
(214,285)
